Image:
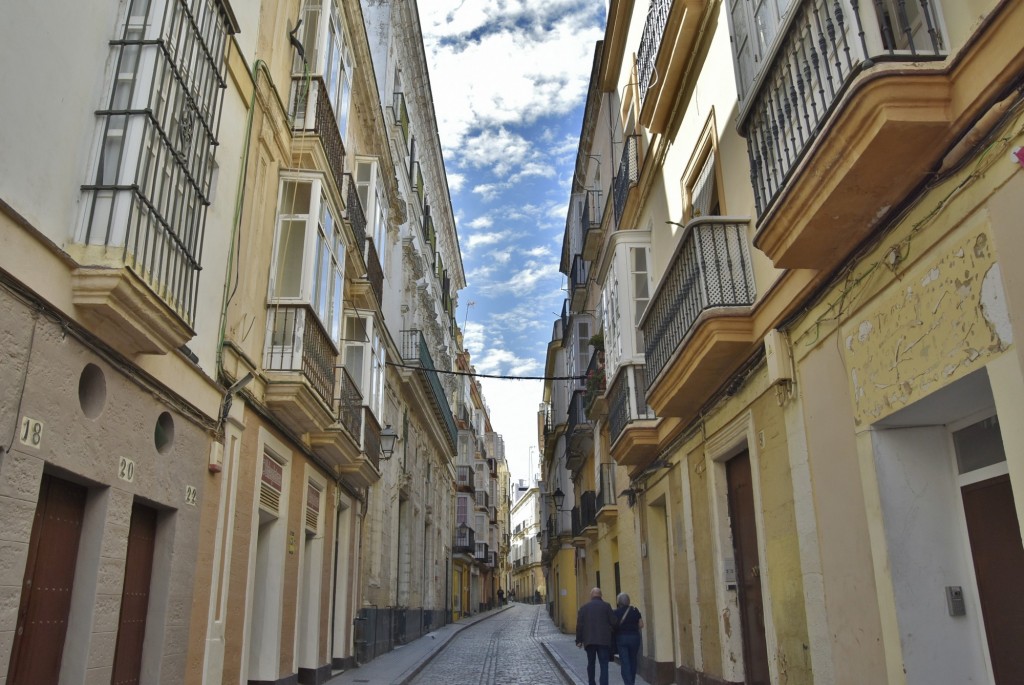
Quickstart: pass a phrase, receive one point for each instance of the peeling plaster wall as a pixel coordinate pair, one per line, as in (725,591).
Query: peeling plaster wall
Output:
(945,318)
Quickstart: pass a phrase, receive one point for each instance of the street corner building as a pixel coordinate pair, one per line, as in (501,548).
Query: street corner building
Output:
(229,271)
(791,431)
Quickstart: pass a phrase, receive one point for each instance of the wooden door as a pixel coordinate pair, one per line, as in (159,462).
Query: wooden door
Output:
(138,570)
(748,570)
(999,566)
(49,577)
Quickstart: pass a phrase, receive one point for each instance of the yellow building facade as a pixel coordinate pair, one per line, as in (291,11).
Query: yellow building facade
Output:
(800,274)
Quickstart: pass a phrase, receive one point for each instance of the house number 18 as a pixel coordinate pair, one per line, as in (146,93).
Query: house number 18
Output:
(31,433)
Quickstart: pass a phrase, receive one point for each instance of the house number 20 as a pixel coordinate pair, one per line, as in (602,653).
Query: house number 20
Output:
(126,469)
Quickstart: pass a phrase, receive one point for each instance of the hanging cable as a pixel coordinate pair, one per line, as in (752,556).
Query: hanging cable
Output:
(474,374)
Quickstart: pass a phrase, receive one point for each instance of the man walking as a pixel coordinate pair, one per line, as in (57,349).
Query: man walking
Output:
(594,625)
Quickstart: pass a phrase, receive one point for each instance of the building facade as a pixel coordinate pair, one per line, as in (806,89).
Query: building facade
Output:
(235,282)
(526,575)
(810,375)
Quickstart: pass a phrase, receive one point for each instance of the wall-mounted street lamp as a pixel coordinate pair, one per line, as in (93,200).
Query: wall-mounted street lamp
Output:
(559,498)
(388,438)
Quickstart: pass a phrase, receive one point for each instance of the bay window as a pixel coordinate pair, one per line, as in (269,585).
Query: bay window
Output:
(373,196)
(365,358)
(326,54)
(309,254)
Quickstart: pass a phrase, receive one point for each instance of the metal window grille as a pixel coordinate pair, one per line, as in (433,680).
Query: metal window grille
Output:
(159,135)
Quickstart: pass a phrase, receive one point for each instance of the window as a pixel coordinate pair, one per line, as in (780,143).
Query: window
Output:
(641,281)
(157,128)
(754,25)
(365,359)
(612,325)
(338,70)
(326,54)
(702,191)
(462,510)
(373,196)
(309,241)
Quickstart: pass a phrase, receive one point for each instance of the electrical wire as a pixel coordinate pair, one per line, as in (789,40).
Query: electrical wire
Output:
(474,374)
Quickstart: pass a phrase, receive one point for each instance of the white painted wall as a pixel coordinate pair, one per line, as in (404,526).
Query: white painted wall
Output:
(928,550)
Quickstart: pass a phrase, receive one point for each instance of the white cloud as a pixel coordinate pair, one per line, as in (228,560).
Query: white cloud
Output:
(507,62)
(456,181)
(481,222)
(472,335)
(478,239)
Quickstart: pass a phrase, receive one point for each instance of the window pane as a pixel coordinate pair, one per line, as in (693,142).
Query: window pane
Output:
(290,246)
(295,197)
(979,445)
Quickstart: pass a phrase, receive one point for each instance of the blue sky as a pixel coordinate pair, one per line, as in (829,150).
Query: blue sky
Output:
(509,78)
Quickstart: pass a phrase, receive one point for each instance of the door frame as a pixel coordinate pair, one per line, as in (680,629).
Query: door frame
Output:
(738,435)
(971,592)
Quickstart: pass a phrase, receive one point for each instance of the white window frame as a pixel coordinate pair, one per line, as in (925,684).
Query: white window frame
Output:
(320,240)
(370,377)
(373,195)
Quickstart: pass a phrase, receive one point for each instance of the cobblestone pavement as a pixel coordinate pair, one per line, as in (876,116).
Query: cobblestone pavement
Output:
(503,650)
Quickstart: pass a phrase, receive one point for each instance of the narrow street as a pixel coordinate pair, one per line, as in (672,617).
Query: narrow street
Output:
(505,649)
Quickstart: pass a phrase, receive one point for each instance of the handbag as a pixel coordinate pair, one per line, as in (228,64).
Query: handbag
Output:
(615,635)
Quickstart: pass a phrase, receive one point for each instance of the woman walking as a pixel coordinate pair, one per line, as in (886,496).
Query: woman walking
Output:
(627,637)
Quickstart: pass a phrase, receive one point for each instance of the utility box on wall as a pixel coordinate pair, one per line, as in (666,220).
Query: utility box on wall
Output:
(776,352)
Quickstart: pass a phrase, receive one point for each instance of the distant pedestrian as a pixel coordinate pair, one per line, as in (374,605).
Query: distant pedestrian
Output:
(501,597)
(595,624)
(536,596)
(627,637)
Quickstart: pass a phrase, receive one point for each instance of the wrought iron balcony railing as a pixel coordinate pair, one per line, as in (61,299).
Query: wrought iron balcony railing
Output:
(414,351)
(627,401)
(578,275)
(595,379)
(710,268)
(826,44)
(402,115)
(298,342)
(588,509)
(371,437)
(465,540)
(310,95)
(355,213)
(577,421)
(464,477)
(590,219)
(650,42)
(374,272)
(606,486)
(627,176)
(565,320)
(350,404)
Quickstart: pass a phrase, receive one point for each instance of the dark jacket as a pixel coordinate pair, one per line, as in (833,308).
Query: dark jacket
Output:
(595,622)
